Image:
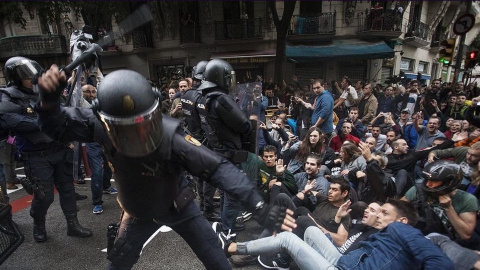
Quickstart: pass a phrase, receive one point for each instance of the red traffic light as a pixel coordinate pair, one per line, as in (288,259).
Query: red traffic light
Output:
(473,55)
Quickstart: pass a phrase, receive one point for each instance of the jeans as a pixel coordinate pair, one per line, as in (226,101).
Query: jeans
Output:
(316,252)
(95,160)
(107,173)
(231,207)
(463,258)
(403,181)
(196,231)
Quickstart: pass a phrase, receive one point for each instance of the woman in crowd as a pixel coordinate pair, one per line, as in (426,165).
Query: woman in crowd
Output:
(455,126)
(298,151)
(350,158)
(167,103)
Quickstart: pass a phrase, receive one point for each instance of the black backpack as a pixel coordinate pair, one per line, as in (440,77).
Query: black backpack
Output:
(428,220)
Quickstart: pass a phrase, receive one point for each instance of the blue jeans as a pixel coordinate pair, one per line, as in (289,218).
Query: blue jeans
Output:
(95,160)
(316,252)
(230,209)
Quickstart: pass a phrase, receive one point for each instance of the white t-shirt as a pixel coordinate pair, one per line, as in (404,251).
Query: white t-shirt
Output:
(353,94)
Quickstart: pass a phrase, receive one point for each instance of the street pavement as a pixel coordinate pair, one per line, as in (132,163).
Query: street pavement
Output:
(166,251)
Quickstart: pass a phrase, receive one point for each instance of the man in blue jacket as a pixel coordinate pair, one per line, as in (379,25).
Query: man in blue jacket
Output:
(322,115)
(396,246)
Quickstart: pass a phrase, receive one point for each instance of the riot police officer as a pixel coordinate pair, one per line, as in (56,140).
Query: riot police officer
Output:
(193,124)
(227,127)
(150,153)
(44,159)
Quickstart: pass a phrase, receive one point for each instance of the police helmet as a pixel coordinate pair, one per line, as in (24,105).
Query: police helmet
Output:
(218,73)
(447,172)
(198,70)
(20,68)
(131,113)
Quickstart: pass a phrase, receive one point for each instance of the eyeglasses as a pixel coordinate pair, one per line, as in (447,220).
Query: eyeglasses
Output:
(90,91)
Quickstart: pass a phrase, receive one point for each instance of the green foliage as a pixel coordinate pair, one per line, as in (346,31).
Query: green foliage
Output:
(96,13)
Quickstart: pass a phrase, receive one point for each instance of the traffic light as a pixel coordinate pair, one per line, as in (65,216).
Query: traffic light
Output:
(446,54)
(471,59)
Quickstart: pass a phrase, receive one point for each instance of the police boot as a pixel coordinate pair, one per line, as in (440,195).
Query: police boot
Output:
(39,231)
(75,229)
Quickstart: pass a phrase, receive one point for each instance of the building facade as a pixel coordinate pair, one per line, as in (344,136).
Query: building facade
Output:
(364,40)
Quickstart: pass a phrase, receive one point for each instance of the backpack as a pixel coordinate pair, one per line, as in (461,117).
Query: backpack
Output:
(428,220)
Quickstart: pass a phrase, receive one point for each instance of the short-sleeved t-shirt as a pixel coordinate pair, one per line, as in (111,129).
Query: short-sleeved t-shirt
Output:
(325,212)
(463,202)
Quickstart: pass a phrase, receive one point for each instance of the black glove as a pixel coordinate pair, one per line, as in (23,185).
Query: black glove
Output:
(271,217)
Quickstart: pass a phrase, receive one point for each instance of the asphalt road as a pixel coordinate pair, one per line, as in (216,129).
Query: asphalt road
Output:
(166,251)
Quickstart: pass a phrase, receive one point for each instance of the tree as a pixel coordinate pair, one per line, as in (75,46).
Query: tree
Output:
(282,30)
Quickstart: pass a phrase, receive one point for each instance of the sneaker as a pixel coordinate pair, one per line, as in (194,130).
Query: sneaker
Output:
(274,262)
(244,216)
(217,227)
(98,209)
(225,240)
(239,226)
(110,190)
(11,185)
(243,260)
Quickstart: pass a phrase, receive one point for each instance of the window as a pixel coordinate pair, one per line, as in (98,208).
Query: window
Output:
(423,67)
(406,64)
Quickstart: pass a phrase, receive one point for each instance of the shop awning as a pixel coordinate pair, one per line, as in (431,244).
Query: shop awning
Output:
(340,49)
(267,53)
(414,76)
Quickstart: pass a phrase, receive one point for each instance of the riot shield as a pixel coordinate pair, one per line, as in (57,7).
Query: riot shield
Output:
(249,102)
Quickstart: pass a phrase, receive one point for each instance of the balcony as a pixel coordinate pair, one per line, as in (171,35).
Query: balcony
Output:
(380,23)
(238,29)
(142,39)
(436,39)
(30,46)
(417,33)
(189,33)
(312,27)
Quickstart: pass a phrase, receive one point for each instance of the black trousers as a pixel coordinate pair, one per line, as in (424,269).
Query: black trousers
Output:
(51,169)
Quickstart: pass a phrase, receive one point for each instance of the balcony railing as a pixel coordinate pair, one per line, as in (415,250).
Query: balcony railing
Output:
(33,46)
(142,38)
(313,24)
(417,29)
(238,29)
(437,38)
(380,20)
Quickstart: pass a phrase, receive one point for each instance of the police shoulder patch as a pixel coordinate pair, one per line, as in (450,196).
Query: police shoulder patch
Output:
(192,140)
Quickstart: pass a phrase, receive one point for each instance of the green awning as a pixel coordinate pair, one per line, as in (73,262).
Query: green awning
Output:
(346,49)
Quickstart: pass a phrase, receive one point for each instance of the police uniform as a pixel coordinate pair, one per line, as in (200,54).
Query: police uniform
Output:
(45,159)
(152,188)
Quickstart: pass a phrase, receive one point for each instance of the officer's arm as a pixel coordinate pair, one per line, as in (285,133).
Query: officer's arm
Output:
(231,115)
(18,123)
(67,124)
(218,171)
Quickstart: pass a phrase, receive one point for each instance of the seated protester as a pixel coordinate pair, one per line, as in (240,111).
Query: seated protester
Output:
(472,113)
(402,161)
(264,138)
(458,111)
(312,169)
(273,175)
(455,126)
(373,184)
(465,125)
(337,141)
(396,246)
(473,136)
(456,209)
(358,129)
(298,151)
(278,126)
(350,158)
(377,134)
(427,134)
(410,135)
(403,121)
(391,136)
(466,157)
(372,144)
(388,124)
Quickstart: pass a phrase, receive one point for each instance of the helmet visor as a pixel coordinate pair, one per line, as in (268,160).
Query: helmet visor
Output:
(135,136)
(26,69)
